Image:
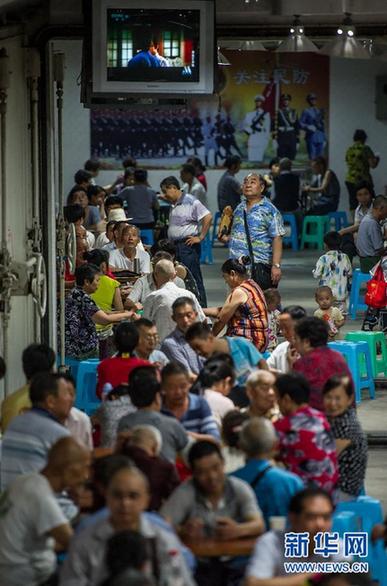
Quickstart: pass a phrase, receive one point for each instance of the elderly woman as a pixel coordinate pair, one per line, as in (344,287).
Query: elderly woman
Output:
(244,312)
(318,362)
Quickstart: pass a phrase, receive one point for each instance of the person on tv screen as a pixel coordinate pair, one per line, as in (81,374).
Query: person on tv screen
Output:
(148,56)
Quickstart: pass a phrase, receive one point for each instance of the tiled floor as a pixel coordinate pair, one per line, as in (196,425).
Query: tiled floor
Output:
(297,286)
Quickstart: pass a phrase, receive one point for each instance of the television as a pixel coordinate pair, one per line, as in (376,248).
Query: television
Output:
(153,47)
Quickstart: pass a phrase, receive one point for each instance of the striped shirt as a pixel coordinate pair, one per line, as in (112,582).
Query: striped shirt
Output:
(264,222)
(198,417)
(250,320)
(185,217)
(26,443)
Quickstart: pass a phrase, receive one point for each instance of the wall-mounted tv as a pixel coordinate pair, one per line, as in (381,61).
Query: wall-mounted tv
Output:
(149,46)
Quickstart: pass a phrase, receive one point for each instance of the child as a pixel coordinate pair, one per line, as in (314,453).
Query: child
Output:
(334,269)
(114,407)
(216,380)
(351,442)
(273,301)
(332,315)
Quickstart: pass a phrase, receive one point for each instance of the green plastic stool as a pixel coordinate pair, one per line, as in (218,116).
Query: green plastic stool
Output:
(313,230)
(378,359)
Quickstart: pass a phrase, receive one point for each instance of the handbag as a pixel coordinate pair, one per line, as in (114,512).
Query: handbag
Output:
(376,294)
(260,272)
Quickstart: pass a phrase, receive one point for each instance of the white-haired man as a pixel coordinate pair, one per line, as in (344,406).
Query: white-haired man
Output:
(273,486)
(158,305)
(143,448)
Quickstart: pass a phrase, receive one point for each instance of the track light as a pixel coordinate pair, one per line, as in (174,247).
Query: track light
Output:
(297,42)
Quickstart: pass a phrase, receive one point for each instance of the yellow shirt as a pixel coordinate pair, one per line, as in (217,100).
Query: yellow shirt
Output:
(104,297)
(14,405)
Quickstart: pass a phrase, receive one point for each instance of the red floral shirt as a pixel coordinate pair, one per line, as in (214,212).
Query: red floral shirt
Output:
(307,447)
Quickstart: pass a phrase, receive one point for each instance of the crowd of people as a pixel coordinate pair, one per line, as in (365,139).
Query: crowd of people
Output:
(215,425)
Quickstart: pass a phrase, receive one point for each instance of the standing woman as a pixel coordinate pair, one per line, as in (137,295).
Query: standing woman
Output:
(107,297)
(244,312)
(327,184)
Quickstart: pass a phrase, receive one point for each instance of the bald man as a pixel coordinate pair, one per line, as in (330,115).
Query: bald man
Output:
(261,394)
(143,448)
(32,522)
(127,497)
(158,305)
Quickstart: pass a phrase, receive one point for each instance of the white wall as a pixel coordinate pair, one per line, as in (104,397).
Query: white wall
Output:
(19,198)
(352,106)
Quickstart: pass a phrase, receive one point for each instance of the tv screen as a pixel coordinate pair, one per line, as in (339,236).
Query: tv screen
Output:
(148,49)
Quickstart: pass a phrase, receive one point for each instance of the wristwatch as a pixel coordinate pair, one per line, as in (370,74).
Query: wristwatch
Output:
(276,265)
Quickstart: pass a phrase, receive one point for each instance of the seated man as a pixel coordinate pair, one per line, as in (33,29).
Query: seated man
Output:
(148,403)
(175,346)
(310,511)
(32,521)
(127,497)
(306,444)
(261,394)
(370,237)
(287,188)
(147,284)
(147,342)
(130,257)
(30,435)
(158,305)
(35,358)
(282,357)
(143,448)
(246,358)
(212,505)
(191,410)
(273,486)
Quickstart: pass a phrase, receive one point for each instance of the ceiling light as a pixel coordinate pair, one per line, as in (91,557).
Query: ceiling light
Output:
(345,44)
(222,60)
(297,42)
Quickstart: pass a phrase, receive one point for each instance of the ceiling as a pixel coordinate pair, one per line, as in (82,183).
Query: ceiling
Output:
(266,19)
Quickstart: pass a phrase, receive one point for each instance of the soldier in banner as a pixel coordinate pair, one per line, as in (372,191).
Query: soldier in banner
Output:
(208,130)
(257,126)
(288,129)
(312,121)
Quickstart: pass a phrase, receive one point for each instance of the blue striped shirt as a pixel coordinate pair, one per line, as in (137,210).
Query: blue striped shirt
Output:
(26,443)
(198,417)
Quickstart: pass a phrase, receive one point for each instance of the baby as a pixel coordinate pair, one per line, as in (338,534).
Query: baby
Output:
(273,301)
(332,315)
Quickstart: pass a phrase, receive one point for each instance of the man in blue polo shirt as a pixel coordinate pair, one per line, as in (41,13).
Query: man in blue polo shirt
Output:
(189,222)
(273,487)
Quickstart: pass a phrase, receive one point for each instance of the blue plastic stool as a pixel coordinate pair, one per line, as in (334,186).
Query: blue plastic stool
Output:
(86,398)
(206,256)
(147,237)
(344,521)
(369,511)
(358,357)
(293,238)
(214,238)
(356,301)
(340,219)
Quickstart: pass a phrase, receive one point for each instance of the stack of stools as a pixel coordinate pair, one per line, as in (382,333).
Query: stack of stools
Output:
(358,358)
(293,238)
(378,349)
(356,301)
(314,229)
(206,251)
